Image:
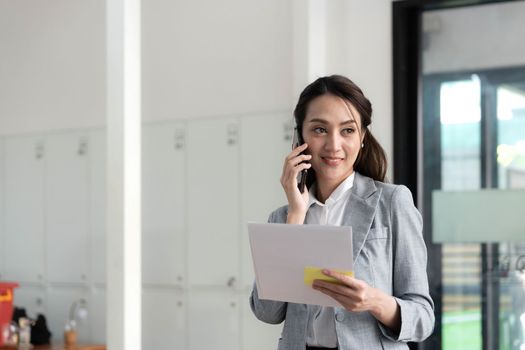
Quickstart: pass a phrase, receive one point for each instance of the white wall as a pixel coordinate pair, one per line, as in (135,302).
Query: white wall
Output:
(469,38)
(52,68)
(210,58)
(199,59)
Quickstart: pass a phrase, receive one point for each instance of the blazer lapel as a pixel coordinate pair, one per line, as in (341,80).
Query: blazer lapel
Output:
(360,210)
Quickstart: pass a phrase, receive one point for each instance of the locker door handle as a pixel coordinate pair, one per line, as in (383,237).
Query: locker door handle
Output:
(232,134)
(39,150)
(288,131)
(82,147)
(231,282)
(179,139)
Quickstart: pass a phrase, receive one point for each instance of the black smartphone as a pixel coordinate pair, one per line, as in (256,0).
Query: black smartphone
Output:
(301,178)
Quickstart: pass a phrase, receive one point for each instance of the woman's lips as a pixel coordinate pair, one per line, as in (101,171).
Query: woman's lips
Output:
(332,161)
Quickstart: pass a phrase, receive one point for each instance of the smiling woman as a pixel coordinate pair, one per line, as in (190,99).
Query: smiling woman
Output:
(352,105)
(387,303)
(334,138)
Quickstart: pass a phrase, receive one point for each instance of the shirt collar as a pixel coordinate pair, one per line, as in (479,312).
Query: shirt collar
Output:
(336,195)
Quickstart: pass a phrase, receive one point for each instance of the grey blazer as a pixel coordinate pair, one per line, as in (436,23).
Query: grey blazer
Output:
(389,254)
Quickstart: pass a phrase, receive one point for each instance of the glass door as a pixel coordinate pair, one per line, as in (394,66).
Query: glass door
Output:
(474,138)
(510,167)
(452,138)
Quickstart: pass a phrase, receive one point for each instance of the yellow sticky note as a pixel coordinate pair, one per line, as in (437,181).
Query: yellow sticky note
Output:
(315,273)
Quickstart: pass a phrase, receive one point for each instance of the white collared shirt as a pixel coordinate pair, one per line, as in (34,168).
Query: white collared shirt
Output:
(320,329)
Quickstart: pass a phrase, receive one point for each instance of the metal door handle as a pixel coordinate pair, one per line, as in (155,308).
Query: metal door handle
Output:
(231,282)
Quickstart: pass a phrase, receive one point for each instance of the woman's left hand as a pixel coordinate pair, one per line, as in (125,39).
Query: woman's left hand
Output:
(357,296)
(354,295)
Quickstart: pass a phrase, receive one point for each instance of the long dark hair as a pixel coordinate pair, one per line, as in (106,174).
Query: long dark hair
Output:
(371,160)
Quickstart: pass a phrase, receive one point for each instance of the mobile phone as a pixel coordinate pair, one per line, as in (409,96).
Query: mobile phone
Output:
(301,178)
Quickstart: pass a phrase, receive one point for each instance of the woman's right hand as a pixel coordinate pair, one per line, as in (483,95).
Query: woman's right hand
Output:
(294,163)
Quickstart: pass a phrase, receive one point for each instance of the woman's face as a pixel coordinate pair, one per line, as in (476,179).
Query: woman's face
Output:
(331,129)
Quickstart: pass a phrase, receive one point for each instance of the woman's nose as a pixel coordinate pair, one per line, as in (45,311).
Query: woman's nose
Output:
(333,142)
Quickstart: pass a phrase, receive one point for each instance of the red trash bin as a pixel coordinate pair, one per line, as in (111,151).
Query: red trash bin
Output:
(6,307)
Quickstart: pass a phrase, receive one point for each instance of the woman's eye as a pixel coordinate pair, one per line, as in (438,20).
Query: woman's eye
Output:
(348,131)
(319,130)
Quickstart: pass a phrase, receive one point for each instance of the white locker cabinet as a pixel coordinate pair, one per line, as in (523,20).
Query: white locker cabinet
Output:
(213,202)
(32,299)
(67,213)
(97,207)
(265,142)
(97,315)
(24,209)
(257,335)
(163,204)
(163,319)
(213,319)
(59,301)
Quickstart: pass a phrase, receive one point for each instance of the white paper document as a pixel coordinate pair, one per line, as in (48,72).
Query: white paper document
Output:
(282,253)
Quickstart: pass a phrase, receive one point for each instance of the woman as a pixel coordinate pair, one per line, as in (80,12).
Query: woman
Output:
(387,303)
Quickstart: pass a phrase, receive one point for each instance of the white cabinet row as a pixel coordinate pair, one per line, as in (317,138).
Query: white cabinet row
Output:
(202,181)
(53,213)
(49,218)
(171,319)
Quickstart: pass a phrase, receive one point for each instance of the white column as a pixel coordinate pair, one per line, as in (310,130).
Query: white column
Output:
(316,39)
(309,43)
(300,47)
(123,178)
